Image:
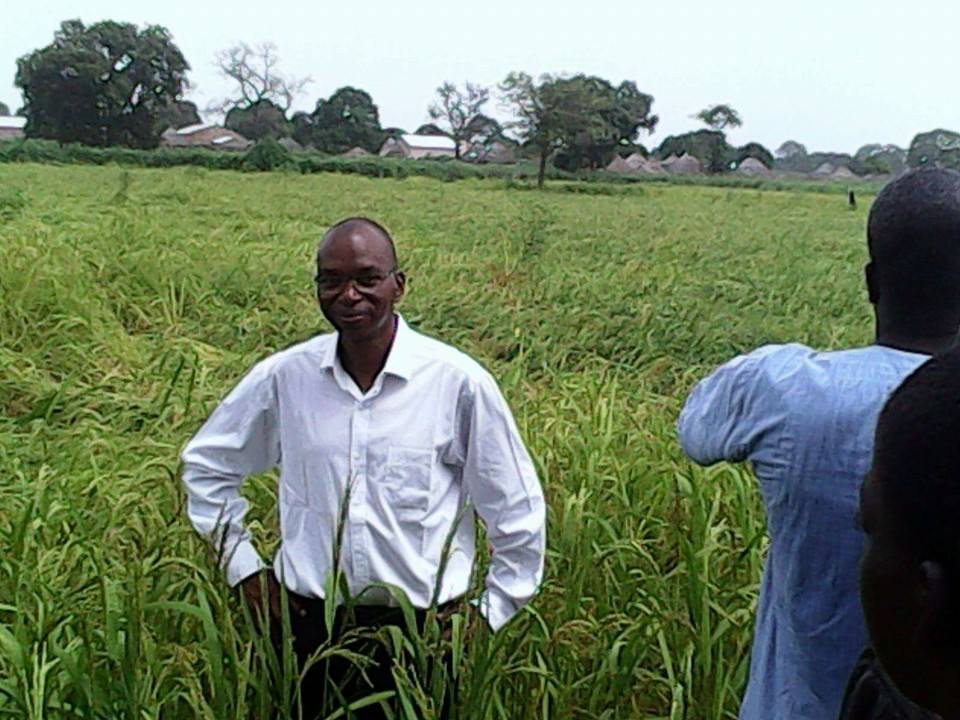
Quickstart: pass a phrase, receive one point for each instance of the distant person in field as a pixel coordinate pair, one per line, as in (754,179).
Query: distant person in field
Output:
(910,573)
(418,430)
(804,419)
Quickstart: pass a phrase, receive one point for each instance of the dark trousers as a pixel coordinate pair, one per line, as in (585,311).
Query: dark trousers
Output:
(336,681)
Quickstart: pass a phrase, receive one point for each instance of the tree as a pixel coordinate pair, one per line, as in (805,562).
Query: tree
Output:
(4,110)
(301,128)
(107,84)
(347,119)
(754,150)
(457,108)
(939,148)
(257,76)
(791,148)
(880,159)
(263,119)
(624,111)
(583,119)
(430,129)
(180,114)
(719,117)
(484,129)
(547,112)
(710,147)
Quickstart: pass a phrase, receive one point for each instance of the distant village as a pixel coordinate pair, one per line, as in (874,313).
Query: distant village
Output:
(414,146)
(570,123)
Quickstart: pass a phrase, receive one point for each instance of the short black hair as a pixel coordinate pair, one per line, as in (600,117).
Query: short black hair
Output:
(917,461)
(351,222)
(913,236)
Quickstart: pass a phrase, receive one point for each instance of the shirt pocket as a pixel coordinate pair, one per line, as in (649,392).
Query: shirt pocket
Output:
(408,473)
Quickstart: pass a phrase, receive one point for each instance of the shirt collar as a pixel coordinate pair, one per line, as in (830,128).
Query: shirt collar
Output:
(401,359)
(402,356)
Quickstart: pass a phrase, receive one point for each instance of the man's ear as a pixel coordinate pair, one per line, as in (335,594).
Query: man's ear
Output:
(870,275)
(401,284)
(935,613)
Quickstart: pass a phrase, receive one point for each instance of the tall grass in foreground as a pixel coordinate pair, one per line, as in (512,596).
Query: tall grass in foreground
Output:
(132,300)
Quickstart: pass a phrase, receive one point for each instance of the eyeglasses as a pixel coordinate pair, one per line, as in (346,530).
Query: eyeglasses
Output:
(333,284)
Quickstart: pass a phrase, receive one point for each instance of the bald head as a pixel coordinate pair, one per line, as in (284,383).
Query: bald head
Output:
(359,227)
(913,235)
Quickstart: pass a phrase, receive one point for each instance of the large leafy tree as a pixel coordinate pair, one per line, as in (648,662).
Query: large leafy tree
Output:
(483,128)
(623,111)
(937,147)
(710,147)
(261,120)
(754,150)
(107,84)
(457,108)
(882,159)
(347,119)
(545,112)
(583,119)
(791,148)
(430,129)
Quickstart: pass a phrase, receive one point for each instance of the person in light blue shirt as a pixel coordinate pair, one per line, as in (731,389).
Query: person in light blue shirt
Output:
(805,421)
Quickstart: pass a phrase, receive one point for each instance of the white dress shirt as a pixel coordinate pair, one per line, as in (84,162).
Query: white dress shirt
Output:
(432,434)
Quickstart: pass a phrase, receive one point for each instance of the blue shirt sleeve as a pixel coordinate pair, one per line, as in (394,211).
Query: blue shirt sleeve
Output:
(730,411)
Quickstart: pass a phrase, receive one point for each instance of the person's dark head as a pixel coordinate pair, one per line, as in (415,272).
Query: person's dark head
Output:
(358,281)
(913,236)
(910,511)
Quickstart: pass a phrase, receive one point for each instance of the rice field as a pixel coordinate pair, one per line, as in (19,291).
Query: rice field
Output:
(133,299)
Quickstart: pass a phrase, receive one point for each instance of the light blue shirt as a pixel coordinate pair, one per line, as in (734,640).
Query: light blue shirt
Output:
(805,420)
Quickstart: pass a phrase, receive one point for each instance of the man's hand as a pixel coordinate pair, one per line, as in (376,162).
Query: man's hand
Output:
(255,588)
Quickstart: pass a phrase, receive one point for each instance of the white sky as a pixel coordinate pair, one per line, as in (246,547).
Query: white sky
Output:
(833,74)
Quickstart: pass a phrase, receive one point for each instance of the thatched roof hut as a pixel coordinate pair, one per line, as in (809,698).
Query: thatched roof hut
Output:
(683,165)
(842,173)
(502,152)
(824,169)
(636,161)
(356,152)
(290,144)
(619,165)
(652,165)
(753,168)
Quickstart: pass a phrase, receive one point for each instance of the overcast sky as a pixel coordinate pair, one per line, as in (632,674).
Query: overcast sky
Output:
(833,74)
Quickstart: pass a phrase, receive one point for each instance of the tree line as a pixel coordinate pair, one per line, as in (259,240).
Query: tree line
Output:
(114,84)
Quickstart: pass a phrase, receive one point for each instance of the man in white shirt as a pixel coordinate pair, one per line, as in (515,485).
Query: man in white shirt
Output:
(418,431)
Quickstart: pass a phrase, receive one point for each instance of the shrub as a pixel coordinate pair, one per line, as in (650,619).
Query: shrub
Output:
(267,154)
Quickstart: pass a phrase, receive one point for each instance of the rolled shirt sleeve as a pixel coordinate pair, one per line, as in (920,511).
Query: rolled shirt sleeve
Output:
(239,439)
(728,412)
(502,484)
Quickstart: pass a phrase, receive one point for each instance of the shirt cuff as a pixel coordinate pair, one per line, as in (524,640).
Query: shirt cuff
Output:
(242,563)
(496,608)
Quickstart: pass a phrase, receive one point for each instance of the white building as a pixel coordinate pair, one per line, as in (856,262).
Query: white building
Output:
(11,127)
(204,135)
(415,147)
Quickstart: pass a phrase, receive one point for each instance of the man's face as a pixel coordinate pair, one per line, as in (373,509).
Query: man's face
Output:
(891,591)
(357,282)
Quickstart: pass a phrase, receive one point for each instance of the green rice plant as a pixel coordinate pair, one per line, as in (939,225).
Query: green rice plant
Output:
(123,324)
(12,202)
